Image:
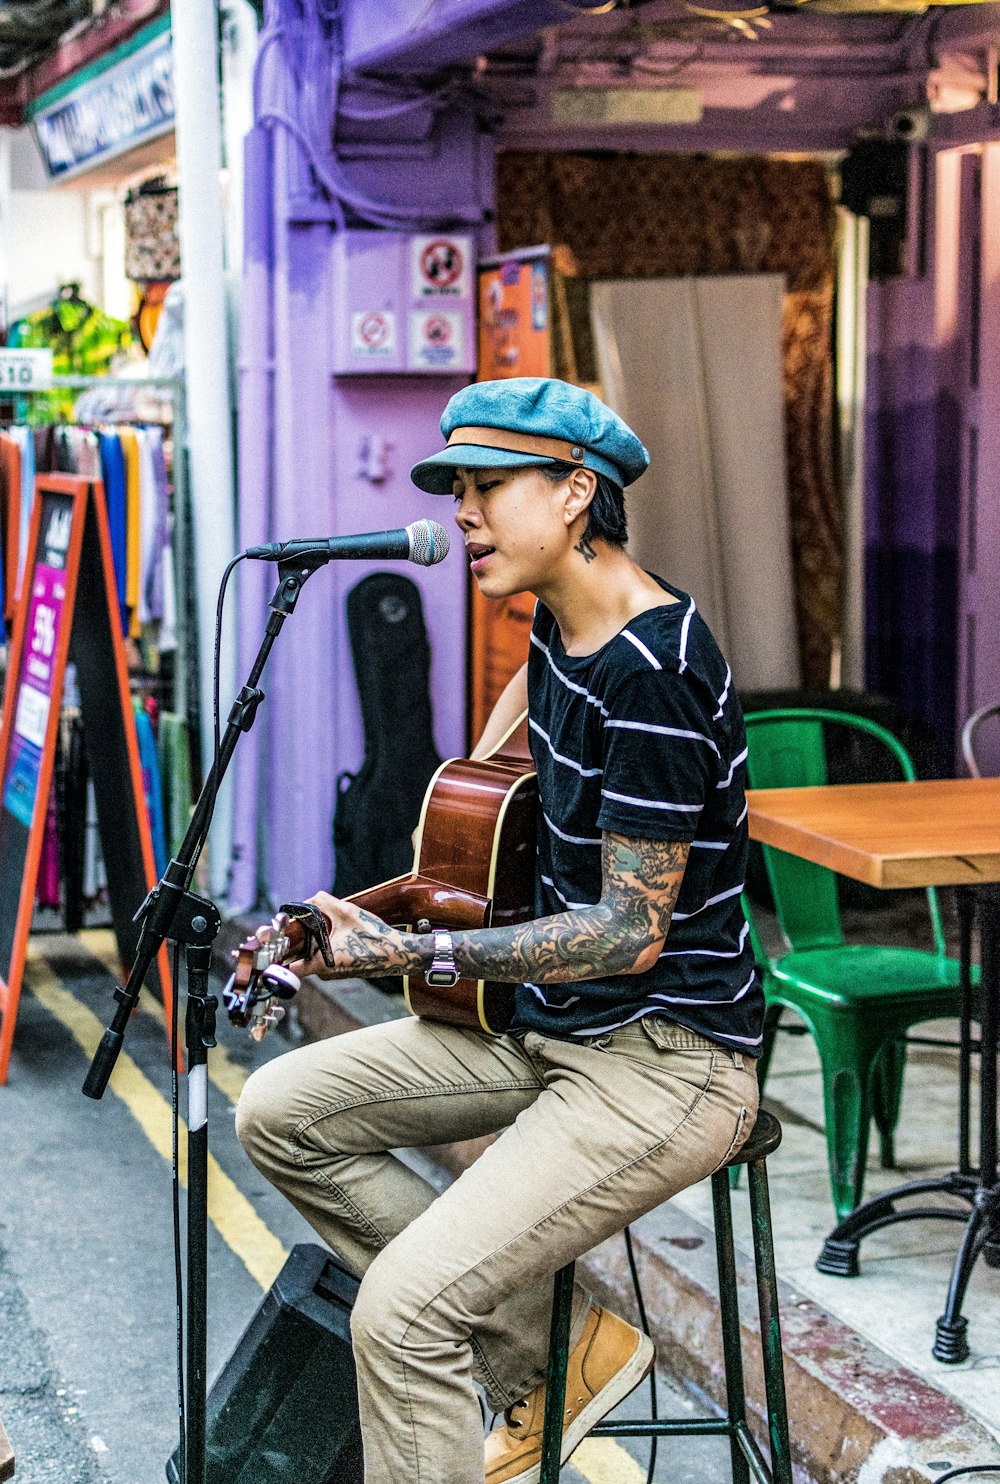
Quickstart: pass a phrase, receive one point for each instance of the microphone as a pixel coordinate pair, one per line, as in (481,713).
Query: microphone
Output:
(424,542)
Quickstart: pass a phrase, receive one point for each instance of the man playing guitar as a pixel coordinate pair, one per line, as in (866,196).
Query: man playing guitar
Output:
(627,1072)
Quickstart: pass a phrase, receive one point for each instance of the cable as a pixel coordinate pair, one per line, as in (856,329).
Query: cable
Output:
(176,1201)
(969,1468)
(217,731)
(633,1269)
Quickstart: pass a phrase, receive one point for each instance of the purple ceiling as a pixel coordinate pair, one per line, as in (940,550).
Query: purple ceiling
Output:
(806,80)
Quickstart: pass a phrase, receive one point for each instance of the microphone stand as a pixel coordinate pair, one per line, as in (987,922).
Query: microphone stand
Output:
(172,910)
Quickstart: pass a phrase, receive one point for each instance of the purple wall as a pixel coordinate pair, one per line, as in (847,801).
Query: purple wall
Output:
(301,430)
(932,538)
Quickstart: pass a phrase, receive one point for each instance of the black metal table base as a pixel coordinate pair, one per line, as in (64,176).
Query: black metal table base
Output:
(980,1189)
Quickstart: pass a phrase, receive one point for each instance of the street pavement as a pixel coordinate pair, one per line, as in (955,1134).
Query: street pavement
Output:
(87,1301)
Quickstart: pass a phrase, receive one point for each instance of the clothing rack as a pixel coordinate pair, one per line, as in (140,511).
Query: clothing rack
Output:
(186,667)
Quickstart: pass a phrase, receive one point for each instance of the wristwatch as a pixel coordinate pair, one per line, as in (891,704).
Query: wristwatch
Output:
(443,972)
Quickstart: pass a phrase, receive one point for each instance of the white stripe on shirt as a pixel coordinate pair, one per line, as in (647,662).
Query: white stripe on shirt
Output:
(608,793)
(684,639)
(723,896)
(725,693)
(708,952)
(571,906)
(685,999)
(584,772)
(570,839)
(573,999)
(740,757)
(580,691)
(661,731)
(627,634)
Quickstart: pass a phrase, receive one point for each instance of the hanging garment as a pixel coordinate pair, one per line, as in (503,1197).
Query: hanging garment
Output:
(154,570)
(168,628)
(95,877)
(28,464)
(175,775)
(130,449)
(113,474)
(84,341)
(10,519)
(73,824)
(150,764)
(47,882)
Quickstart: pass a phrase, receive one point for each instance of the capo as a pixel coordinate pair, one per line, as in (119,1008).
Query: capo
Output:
(315,927)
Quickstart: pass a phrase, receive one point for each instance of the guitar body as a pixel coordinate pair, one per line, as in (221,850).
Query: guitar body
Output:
(474,867)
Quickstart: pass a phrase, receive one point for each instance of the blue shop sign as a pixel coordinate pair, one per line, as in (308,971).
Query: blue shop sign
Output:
(125,100)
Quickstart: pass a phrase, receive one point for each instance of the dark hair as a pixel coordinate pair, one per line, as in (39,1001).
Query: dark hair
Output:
(606,517)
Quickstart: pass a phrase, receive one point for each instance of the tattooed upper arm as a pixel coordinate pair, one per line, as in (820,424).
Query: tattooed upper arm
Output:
(640,881)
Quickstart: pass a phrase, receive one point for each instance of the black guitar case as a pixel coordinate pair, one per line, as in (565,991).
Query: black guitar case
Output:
(378,807)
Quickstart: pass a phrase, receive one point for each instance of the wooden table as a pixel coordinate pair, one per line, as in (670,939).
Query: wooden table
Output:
(940,833)
(937,833)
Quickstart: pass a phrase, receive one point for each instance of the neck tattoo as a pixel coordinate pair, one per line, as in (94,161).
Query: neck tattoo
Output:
(585,549)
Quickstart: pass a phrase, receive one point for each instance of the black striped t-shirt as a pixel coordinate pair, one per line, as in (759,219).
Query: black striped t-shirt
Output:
(645,738)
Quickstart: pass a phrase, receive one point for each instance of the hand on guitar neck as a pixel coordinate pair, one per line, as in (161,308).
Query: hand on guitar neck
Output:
(473,868)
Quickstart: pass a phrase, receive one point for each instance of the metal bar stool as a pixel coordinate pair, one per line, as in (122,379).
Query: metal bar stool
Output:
(746,1456)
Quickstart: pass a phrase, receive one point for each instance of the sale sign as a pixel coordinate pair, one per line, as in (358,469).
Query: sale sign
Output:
(34,697)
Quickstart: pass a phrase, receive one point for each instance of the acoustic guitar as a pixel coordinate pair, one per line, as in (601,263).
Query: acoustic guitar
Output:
(474,866)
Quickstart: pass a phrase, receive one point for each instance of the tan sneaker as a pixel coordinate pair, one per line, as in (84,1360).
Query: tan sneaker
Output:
(610,1360)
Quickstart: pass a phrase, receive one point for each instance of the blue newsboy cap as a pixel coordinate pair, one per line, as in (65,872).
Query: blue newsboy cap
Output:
(530,420)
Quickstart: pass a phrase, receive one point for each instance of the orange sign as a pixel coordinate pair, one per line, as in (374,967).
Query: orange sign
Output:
(514,316)
(514,340)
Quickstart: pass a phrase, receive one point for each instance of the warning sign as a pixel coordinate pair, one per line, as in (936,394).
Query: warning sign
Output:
(373,332)
(441,267)
(437,339)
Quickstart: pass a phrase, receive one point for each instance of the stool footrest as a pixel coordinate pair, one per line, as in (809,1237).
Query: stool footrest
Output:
(661,1427)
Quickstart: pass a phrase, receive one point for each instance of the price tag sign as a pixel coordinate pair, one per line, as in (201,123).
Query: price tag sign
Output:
(25,370)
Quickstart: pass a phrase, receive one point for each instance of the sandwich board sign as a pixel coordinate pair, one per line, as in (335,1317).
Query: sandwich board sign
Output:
(68,611)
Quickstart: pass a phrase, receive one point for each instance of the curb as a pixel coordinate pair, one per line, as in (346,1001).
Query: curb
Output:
(857,1416)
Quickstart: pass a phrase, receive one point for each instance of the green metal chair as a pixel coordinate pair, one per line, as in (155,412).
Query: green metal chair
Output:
(857,1000)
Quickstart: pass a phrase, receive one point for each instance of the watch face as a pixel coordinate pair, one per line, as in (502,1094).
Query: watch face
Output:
(442,978)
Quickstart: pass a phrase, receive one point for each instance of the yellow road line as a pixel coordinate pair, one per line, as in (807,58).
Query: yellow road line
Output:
(599,1460)
(228,1209)
(603,1461)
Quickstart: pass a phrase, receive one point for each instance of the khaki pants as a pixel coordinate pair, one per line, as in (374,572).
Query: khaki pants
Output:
(458,1286)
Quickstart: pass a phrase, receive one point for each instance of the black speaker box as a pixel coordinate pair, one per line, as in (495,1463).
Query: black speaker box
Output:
(284,1409)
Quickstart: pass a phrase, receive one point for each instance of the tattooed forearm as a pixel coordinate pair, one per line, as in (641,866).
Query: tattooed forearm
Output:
(641,879)
(619,934)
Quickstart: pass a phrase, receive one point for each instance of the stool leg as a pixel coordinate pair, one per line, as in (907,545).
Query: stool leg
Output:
(729,1305)
(555,1380)
(770,1324)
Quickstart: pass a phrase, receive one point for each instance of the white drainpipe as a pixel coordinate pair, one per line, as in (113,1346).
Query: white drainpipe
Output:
(209,399)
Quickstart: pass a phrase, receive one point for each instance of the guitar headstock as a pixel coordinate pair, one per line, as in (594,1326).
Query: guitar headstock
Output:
(260,977)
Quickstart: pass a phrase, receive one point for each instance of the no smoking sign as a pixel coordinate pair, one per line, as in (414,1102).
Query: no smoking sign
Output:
(441,267)
(373,332)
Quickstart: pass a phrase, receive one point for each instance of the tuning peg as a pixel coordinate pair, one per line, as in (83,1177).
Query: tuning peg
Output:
(281,979)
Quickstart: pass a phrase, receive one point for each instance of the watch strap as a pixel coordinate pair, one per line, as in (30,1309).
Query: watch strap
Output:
(443,972)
